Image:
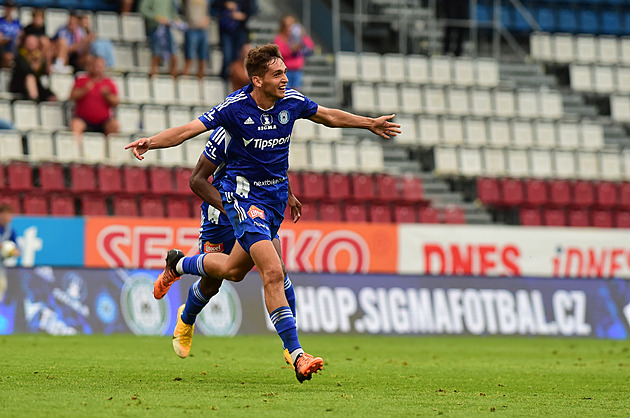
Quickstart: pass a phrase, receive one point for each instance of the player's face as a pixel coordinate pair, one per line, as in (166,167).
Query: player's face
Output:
(274,82)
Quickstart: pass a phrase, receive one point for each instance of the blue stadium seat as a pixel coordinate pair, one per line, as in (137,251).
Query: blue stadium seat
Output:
(611,23)
(545,18)
(70,4)
(567,21)
(589,22)
(507,17)
(520,24)
(626,23)
(484,13)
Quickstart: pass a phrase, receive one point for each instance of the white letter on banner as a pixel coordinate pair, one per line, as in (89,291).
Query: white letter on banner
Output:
(579,311)
(562,304)
(544,328)
(443,322)
(326,307)
(384,310)
(506,312)
(526,323)
(307,312)
(473,312)
(370,321)
(455,302)
(488,303)
(347,305)
(399,311)
(420,310)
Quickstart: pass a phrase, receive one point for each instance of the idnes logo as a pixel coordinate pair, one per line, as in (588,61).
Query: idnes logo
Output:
(254,212)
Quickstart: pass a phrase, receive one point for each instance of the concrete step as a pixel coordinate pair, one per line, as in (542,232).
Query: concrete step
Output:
(581,111)
(533,81)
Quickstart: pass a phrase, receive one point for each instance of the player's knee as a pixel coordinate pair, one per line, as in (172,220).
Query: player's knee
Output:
(209,286)
(273,276)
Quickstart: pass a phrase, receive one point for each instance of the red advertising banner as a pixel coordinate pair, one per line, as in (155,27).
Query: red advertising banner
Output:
(307,246)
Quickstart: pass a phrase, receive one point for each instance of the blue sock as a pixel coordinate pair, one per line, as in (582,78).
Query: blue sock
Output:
(194,303)
(283,320)
(290,294)
(192,265)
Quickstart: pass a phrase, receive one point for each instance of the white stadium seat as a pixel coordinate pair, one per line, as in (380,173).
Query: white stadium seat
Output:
(620,108)
(541,163)
(370,68)
(178,115)
(25,115)
(371,158)
(499,132)
(624,50)
(326,133)
(108,25)
(603,79)
(123,57)
(51,116)
(163,89)
(5,110)
(116,152)
(298,156)
(189,90)
(452,130)
(346,66)
(568,135)
(61,85)
(394,68)
(622,79)
(428,131)
(610,165)
(408,128)
(564,164)
(387,98)
(363,99)
(527,100)
(481,102)
(494,162)
(540,46)
(153,119)
(470,162)
(522,133)
(592,134)
(11,146)
(303,130)
(446,161)
(138,88)
(457,99)
(563,48)
(504,103)
(40,146)
(586,49)
(346,158)
(172,156)
(417,69)
(94,147)
(587,165)
(54,19)
(129,118)
(518,162)
(476,132)
(581,77)
(550,104)
(321,156)
(464,71)
(608,50)
(410,98)
(132,27)
(66,147)
(545,133)
(214,91)
(441,70)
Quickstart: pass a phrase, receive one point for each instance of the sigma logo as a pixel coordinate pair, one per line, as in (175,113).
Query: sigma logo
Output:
(212,248)
(267,122)
(254,212)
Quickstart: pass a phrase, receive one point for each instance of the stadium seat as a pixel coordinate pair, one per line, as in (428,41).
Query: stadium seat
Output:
(94,147)
(51,116)
(405,213)
(411,189)
(441,70)
(330,212)
(163,90)
(62,205)
(35,204)
(535,192)
(429,215)
(464,71)
(355,212)
(452,130)
(51,177)
(129,118)
(3,177)
(151,206)
(108,25)
(346,66)
(40,146)
(19,176)
(346,157)
(541,163)
(363,97)
(369,65)
(362,186)
(434,100)
(578,218)
(132,27)
(62,85)
(309,211)
(387,188)
(522,132)
(387,98)
(511,192)
(454,214)
(153,118)
(138,88)
(25,115)
(554,217)
(476,133)
(487,72)
(624,195)
(12,199)
(321,157)
(544,133)
(559,193)
(417,69)
(134,179)
(123,58)
(371,157)
(82,178)
(530,216)
(481,102)
(93,205)
(410,99)
(380,212)
(504,103)
(394,68)
(586,49)
(189,91)
(109,179)
(587,165)
(499,132)
(602,218)
(337,186)
(182,178)
(457,101)
(622,219)
(313,186)
(295,183)
(125,205)
(160,180)
(66,147)
(488,191)
(178,207)
(214,91)
(583,194)
(606,194)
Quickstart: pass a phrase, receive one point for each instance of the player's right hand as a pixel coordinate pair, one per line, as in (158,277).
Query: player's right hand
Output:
(139,147)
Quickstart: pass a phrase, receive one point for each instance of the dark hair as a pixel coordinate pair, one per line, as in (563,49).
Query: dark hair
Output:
(258,59)
(5,207)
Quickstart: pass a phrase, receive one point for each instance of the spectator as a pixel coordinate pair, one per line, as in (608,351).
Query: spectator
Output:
(238,72)
(99,47)
(72,44)
(37,27)
(95,96)
(454,33)
(160,15)
(197,16)
(30,66)
(233,16)
(10,32)
(6,234)
(294,45)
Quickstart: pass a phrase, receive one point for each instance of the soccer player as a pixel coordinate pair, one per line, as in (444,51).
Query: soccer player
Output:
(258,120)
(215,235)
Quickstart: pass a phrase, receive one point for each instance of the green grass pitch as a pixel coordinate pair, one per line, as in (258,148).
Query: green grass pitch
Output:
(125,375)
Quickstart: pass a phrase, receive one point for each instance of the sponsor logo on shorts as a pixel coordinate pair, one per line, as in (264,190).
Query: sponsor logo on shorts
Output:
(209,247)
(254,212)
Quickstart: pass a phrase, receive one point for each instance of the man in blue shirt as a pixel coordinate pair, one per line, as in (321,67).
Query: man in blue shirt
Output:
(258,120)
(216,234)
(10,30)
(6,234)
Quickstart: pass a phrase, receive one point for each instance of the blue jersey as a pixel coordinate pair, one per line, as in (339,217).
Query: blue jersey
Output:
(215,224)
(256,143)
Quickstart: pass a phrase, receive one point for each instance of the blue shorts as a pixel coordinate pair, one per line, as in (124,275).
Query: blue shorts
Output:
(254,221)
(196,44)
(219,239)
(162,42)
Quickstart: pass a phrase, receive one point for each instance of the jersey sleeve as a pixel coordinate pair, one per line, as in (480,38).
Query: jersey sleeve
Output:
(308,108)
(215,147)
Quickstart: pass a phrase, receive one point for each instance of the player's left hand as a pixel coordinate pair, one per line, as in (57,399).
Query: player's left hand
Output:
(296,208)
(382,127)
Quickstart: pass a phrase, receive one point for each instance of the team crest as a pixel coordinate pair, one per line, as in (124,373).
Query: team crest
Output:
(254,212)
(266,119)
(283,117)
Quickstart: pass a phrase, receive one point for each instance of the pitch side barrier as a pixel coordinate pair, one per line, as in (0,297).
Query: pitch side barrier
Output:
(326,247)
(64,301)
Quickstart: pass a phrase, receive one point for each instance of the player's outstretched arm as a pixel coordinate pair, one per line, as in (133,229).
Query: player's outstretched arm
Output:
(336,118)
(170,137)
(201,186)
